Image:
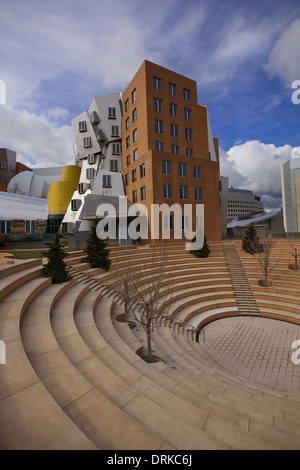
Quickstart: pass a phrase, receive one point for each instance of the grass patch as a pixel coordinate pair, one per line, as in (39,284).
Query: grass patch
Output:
(29,254)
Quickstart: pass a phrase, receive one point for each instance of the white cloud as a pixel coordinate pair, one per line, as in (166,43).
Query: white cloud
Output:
(255,166)
(35,138)
(57,113)
(284,59)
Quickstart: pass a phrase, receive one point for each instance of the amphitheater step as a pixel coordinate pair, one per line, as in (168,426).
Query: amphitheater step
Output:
(244,296)
(30,417)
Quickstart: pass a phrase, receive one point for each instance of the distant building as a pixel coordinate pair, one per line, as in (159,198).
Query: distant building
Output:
(242,202)
(9,167)
(98,154)
(223,182)
(290,184)
(264,222)
(34,182)
(22,218)
(168,152)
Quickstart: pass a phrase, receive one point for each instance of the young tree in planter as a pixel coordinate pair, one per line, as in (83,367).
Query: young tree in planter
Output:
(56,267)
(202,252)
(141,288)
(121,285)
(295,253)
(251,241)
(267,257)
(97,253)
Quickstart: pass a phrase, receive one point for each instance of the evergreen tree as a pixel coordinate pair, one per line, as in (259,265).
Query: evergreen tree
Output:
(202,252)
(251,241)
(97,253)
(56,267)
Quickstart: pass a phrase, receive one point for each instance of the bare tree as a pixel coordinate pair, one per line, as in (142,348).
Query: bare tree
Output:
(267,255)
(121,284)
(295,253)
(144,289)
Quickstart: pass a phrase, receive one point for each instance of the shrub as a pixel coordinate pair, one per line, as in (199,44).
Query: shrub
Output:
(97,253)
(202,252)
(56,267)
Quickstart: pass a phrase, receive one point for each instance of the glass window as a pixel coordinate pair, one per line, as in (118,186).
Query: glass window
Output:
(82,126)
(27,226)
(134,135)
(116,149)
(188,133)
(158,105)
(113,165)
(106,181)
(159,126)
(127,123)
(172,89)
(167,191)
(127,141)
(135,154)
(133,175)
(173,109)
(90,173)
(187,114)
(186,94)
(182,169)
(127,104)
(91,158)
(87,142)
(112,113)
(128,160)
(198,194)
(166,167)
(134,196)
(197,171)
(115,131)
(157,84)
(143,193)
(189,152)
(134,115)
(183,192)
(75,204)
(142,170)
(159,145)
(174,130)
(175,148)
(127,179)
(133,95)
(9,226)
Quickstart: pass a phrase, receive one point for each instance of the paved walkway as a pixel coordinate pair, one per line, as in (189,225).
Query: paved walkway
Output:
(258,349)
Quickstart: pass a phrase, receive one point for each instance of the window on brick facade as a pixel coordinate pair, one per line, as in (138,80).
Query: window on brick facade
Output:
(166,167)
(198,194)
(157,84)
(182,169)
(167,191)
(159,126)
(173,109)
(172,89)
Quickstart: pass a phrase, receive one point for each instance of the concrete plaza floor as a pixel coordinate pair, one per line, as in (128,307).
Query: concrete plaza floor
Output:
(257,349)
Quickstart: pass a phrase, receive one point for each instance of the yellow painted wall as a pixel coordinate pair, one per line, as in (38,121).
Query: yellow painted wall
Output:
(61,192)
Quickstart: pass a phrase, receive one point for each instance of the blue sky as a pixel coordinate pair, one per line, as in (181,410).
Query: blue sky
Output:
(56,56)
